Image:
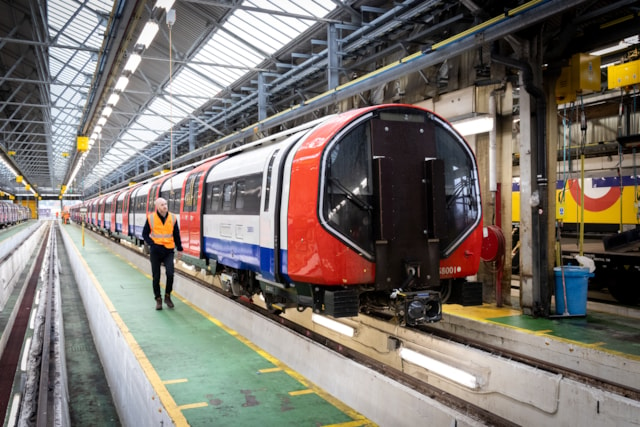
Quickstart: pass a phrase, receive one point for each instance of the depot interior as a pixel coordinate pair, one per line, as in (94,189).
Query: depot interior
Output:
(100,94)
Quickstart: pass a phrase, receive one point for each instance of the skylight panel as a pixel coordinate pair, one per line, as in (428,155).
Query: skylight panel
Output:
(190,83)
(230,50)
(269,40)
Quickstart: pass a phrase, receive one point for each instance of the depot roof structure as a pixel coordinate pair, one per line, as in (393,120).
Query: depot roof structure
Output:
(95,94)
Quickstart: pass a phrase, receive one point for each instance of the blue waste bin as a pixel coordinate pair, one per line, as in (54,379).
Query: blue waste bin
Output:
(576,280)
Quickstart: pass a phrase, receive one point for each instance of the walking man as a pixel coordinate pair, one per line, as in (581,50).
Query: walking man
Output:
(162,235)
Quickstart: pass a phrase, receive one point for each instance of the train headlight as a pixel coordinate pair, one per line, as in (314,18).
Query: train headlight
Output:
(423,307)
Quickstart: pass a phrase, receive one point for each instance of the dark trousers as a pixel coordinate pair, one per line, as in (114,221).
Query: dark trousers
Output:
(161,255)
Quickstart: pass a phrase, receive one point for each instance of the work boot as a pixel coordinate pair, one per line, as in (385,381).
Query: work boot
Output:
(167,300)
(158,303)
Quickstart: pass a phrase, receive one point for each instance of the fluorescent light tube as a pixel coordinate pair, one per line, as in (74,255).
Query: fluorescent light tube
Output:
(442,369)
(122,83)
(148,34)
(474,125)
(132,63)
(338,327)
(113,99)
(164,4)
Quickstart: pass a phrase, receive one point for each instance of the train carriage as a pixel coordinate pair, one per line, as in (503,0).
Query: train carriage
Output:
(370,210)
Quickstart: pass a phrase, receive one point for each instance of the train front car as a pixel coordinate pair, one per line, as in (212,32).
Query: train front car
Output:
(381,201)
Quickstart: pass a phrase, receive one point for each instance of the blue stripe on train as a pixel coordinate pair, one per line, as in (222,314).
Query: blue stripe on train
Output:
(244,256)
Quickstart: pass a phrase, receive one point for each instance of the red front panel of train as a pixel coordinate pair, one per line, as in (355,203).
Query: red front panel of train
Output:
(314,255)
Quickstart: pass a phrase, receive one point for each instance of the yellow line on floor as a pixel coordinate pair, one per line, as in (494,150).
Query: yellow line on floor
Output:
(269,370)
(177,381)
(355,423)
(193,406)
(301,392)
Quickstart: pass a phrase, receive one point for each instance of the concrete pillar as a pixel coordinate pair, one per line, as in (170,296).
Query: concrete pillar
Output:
(525,144)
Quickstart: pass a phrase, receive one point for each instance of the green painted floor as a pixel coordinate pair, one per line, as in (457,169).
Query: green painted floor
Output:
(9,232)
(215,377)
(606,331)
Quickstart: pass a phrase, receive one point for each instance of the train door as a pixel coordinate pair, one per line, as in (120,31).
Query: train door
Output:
(141,202)
(116,212)
(190,226)
(270,198)
(406,205)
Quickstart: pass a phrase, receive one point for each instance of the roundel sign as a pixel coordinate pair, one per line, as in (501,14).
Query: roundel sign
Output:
(595,199)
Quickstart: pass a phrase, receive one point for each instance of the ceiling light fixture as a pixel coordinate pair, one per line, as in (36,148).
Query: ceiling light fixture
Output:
(132,63)
(102,120)
(113,99)
(621,45)
(107,111)
(148,34)
(122,83)
(164,4)
(474,125)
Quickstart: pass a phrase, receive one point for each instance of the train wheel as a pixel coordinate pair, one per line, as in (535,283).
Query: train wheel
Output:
(624,286)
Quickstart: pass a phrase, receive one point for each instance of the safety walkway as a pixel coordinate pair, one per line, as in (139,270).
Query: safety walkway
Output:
(183,366)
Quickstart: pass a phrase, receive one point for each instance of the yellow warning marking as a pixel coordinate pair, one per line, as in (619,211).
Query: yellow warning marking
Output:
(596,344)
(178,381)
(193,406)
(355,423)
(165,397)
(269,370)
(480,313)
(542,332)
(301,392)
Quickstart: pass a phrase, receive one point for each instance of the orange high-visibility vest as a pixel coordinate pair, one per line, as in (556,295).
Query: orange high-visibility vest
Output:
(162,234)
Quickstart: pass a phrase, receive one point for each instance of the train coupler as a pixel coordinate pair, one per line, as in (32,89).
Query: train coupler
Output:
(419,307)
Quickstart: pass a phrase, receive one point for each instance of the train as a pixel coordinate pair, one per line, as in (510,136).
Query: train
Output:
(610,203)
(369,210)
(12,213)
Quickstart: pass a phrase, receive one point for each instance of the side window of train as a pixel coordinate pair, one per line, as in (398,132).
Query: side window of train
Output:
(248,195)
(227,197)
(240,191)
(214,195)
(174,196)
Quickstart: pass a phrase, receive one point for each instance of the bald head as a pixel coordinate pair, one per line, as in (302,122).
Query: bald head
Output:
(161,206)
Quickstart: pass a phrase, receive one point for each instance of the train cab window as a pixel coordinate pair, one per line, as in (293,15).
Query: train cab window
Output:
(119,204)
(348,197)
(227,197)
(462,193)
